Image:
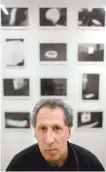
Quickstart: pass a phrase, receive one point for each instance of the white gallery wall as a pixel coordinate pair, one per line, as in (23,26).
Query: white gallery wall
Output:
(76,73)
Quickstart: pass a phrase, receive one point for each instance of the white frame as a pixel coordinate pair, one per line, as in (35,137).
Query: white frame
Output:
(90,129)
(52,27)
(16,97)
(16,27)
(90,62)
(91,27)
(54,62)
(54,96)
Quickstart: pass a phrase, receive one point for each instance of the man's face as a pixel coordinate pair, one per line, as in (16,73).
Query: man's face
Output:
(52,134)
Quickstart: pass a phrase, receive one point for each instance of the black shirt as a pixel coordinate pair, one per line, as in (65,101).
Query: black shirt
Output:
(79,159)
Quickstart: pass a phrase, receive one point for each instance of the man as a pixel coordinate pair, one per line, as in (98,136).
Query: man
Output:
(52,120)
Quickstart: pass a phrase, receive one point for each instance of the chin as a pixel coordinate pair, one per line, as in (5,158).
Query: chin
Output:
(51,158)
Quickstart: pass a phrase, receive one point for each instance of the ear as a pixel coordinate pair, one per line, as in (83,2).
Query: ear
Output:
(34,132)
(69,130)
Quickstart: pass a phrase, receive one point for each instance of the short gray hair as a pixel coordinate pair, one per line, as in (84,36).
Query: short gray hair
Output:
(53,103)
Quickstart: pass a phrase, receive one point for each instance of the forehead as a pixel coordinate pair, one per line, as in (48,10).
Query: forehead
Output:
(53,115)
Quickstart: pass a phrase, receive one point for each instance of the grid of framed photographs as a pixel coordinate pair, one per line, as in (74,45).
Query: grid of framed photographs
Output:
(91,54)
(14,57)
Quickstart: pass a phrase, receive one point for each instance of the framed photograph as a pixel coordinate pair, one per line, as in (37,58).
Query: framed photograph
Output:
(53,52)
(90,86)
(14,17)
(53,87)
(17,120)
(15,56)
(16,87)
(90,52)
(90,119)
(53,17)
(91,17)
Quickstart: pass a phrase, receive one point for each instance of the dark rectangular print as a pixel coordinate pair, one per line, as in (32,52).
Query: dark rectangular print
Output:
(16,87)
(90,86)
(90,52)
(53,16)
(94,17)
(15,56)
(17,120)
(53,87)
(53,52)
(15,17)
(90,120)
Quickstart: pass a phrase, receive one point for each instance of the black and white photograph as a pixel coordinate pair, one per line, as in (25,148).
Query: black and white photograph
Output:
(91,52)
(91,17)
(90,119)
(14,17)
(17,120)
(14,55)
(16,87)
(53,52)
(53,17)
(90,86)
(53,87)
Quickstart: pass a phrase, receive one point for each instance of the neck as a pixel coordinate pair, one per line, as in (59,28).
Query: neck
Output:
(63,159)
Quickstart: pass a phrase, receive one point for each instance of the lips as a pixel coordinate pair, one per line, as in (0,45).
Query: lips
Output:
(50,150)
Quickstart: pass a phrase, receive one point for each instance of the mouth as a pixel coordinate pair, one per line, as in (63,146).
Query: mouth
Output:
(50,150)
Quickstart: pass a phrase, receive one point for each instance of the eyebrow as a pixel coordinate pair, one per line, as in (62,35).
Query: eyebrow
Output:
(53,125)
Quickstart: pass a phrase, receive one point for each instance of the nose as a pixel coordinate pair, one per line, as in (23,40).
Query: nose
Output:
(49,138)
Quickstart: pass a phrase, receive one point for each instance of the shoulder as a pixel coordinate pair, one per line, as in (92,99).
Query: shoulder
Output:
(86,157)
(23,157)
(27,151)
(81,150)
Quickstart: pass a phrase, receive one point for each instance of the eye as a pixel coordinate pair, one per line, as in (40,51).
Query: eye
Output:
(57,128)
(43,128)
